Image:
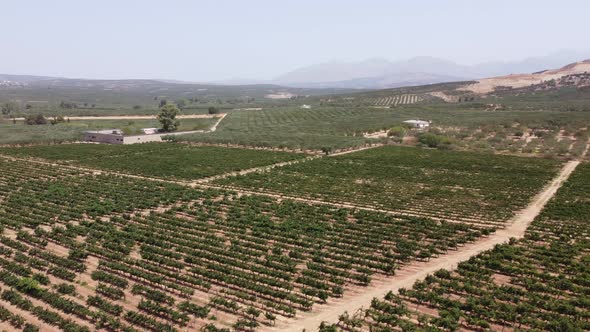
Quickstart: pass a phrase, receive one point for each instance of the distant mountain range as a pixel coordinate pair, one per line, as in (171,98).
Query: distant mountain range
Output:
(367,74)
(381,74)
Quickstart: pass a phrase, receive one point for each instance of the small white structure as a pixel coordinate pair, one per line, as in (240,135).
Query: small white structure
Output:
(420,124)
(149,131)
(305,106)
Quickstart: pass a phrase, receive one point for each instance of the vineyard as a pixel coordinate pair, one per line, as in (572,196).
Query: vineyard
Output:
(538,283)
(396,100)
(81,250)
(113,237)
(470,187)
(180,161)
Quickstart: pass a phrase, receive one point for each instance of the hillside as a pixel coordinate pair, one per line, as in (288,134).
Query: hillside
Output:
(487,85)
(548,85)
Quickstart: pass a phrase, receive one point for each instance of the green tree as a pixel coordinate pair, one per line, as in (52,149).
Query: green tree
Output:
(397,131)
(430,140)
(436,141)
(9,107)
(167,117)
(57,119)
(181,103)
(213,110)
(67,105)
(38,119)
(326,150)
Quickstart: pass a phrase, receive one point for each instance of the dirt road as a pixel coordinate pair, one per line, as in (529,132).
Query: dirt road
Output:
(214,127)
(255,169)
(340,153)
(408,275)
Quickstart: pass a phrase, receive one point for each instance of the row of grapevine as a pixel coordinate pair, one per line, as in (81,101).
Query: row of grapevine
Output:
(182,161)
(397,100)
(538,283)
(470,187)
(79,251)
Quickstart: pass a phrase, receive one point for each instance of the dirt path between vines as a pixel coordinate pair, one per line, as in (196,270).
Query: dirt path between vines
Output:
(355,150)
(279,164)
(28,317)
(409,274)
(255,169)
(214,127)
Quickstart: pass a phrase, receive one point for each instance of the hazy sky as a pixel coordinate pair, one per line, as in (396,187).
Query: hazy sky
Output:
(222,39)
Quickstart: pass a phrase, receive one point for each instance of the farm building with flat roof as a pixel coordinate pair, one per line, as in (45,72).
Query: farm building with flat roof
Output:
(111,136)
(116,136)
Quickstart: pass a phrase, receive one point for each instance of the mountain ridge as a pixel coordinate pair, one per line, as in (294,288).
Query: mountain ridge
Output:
(378,73)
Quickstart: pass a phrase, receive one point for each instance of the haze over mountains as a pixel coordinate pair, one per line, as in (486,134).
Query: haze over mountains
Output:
(374,73)
(381,73)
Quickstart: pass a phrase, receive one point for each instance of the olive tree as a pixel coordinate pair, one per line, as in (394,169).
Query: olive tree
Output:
(167,117)
(9,107)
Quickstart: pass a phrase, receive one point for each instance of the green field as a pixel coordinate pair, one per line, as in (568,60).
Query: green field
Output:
(537,283)
(130,250)
(341,122)
(422,181)
(209,258)
(19,133)
(125,97)
(340,127)
(167,160)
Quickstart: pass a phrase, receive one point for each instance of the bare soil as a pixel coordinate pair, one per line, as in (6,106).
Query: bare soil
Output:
(488,85)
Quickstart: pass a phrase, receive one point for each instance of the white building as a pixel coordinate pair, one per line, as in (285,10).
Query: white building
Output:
(418,123)
(304,106)
(149,131)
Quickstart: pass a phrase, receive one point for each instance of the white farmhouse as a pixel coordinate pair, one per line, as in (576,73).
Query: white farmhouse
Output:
(420,124)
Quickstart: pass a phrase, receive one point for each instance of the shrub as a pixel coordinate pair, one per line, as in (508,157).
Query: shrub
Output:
(436,141)
(38,119)
(397,131)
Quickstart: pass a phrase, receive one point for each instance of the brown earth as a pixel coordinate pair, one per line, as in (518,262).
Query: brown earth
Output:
(488,85)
